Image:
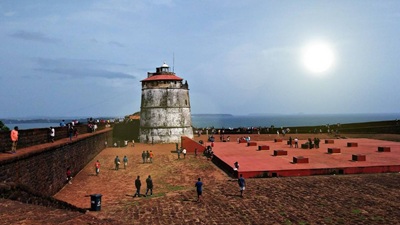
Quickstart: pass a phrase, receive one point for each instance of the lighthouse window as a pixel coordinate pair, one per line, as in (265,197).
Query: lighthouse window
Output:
(185,102)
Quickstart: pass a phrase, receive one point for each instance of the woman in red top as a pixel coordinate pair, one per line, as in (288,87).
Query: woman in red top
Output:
(97,166)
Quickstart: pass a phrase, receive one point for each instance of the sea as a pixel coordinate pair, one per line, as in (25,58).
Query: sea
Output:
(258,120)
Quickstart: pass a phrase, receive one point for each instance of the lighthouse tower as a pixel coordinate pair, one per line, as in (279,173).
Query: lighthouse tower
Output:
(165,108)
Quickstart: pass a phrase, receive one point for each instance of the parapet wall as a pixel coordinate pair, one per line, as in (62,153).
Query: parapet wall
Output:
(37,136)
(43,168)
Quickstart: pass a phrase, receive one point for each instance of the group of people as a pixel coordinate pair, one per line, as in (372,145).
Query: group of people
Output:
(247,139)
(149,186)
(147,156)
(208,152)
(295,140)
(316,143)
(117,162)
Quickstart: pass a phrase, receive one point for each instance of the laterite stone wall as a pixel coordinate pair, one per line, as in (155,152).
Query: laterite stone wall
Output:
(44,170)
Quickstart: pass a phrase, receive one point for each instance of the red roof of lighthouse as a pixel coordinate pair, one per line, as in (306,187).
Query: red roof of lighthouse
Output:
(155,77)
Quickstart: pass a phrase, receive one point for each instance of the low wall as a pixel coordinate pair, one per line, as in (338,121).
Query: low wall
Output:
(37,136)
(43,168)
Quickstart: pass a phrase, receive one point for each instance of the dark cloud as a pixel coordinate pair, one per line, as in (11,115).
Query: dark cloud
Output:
(33,36)
(81,68)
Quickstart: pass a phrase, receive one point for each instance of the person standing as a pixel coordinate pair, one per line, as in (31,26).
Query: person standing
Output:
(184,153)
(236,164)
(117,162)
(69,175)
(144,156)
(290,141)
(242,184)
(133,143)
(125,161)
(138,184)
(296,142)
(199,188)
(149,183)
(195,152)
(14,139)
(52,134)
(179,153)
(70,131)
(97,167)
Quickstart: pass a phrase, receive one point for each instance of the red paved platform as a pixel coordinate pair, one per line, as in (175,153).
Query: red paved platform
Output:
(254,163)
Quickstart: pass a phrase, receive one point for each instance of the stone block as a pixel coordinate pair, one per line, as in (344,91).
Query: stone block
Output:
(263,147)
(329,141)
(383,149)
(277,140)
(252,144)
(334,150)
(300,159)
(280,152)
(242,141)
(358,157)
(352,144)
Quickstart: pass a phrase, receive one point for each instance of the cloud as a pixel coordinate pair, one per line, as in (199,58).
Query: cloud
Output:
(82,68)
(33,36)
(114,43)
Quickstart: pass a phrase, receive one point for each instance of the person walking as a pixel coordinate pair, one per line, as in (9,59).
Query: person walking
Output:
(242,184)
(117,162)
(199,188)
(147,156)
(195,152)
(296,142)
(179,153)
(138,184)
(14,140)
(151,156)
(97,167)
(125,160)
(149,183)
(290,141)
(144,156)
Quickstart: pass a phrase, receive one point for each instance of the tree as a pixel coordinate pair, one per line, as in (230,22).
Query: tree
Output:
(3,127)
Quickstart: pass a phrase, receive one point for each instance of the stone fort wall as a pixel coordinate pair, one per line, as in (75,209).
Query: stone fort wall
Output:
(43,168)
(37,136)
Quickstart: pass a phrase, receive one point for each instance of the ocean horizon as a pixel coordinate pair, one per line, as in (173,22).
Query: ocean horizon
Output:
(255,120)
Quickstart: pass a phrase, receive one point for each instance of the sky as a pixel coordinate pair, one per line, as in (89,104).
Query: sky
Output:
(87,58)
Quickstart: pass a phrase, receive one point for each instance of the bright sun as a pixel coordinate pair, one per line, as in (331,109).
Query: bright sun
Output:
(318,57)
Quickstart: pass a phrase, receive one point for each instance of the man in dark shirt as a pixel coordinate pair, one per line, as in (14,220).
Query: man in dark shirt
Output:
(138,184)
(149,183)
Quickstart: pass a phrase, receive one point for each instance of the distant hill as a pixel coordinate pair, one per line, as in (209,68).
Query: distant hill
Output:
(210,115)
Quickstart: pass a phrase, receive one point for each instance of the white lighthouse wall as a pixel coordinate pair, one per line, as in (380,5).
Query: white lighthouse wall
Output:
(165,115)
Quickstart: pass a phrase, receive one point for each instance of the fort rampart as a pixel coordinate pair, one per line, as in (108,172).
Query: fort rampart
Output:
(42,166)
